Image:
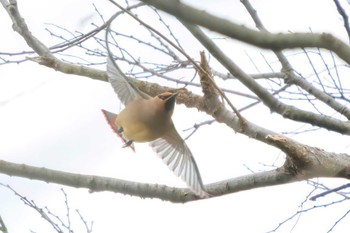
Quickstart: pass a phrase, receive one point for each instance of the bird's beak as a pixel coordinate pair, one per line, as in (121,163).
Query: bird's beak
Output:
(172,96)
(170,102)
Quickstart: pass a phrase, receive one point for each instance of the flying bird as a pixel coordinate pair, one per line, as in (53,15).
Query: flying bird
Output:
(148,119)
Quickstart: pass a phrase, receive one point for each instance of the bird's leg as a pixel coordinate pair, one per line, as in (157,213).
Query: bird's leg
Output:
(120,130)
(128,143)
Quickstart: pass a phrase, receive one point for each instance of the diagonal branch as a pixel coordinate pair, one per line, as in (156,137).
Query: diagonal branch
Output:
(268,99)
(46,58)
(291,77)
(313,198)
(278,41)
(3,227)
(344,16)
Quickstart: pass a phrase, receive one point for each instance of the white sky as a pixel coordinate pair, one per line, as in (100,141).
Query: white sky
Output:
(53,120)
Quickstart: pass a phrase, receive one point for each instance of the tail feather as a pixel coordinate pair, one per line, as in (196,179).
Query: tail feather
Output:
(111,119)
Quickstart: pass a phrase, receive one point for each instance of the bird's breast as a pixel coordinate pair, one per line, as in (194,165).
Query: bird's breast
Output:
(143,121)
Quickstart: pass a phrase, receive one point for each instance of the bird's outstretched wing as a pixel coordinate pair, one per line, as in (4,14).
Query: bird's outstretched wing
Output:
(123,85)
(174,152)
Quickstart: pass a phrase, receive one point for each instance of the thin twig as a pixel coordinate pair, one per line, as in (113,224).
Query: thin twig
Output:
(3,227)
(340,219)
(196,126)
(313,198)
(87,227)
(33,205)
(344,16)
(304,211)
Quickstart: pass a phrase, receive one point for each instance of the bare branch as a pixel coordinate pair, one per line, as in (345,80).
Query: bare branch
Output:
(313,198)
(304,210)
(292,78)
(196,126)
(227,76)
(3,227)
(268,99)
(344,16)
(340,219)
(46,58)
(144,190)
(33,205)
(303,162)
(54,220)
(313,159)
(261,39)
(67,210)
(87,227)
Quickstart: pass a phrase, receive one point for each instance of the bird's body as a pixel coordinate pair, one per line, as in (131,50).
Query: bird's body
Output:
(142,118)
(148,119)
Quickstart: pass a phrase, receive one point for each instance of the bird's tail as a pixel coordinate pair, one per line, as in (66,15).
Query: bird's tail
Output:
(111,119)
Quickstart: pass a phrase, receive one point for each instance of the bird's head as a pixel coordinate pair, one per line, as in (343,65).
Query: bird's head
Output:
(168,99)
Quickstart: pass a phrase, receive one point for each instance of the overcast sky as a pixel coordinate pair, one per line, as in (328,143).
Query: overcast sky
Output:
(53,120)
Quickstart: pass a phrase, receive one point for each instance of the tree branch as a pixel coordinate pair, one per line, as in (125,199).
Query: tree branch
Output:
(308,162)
(3,227)
(266,40)
(290,76)
(144,190)
(344,16)
(46,58)
(268,99)
(313,198)
(303,162)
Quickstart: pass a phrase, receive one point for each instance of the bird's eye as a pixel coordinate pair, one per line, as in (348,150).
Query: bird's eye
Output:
(162,97)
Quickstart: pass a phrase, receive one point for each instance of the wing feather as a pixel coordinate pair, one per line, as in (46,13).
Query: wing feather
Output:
(123,85)
(174,152)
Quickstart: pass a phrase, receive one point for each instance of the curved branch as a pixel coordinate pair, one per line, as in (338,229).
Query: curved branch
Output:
(46,58)
(274,41)
(303,162)
(268,99)
(291,77)
(144,190)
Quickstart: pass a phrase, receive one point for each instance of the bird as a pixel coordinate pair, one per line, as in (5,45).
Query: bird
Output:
(148,119)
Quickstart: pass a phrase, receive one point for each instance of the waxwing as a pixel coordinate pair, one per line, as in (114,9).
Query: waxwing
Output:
(148,119)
